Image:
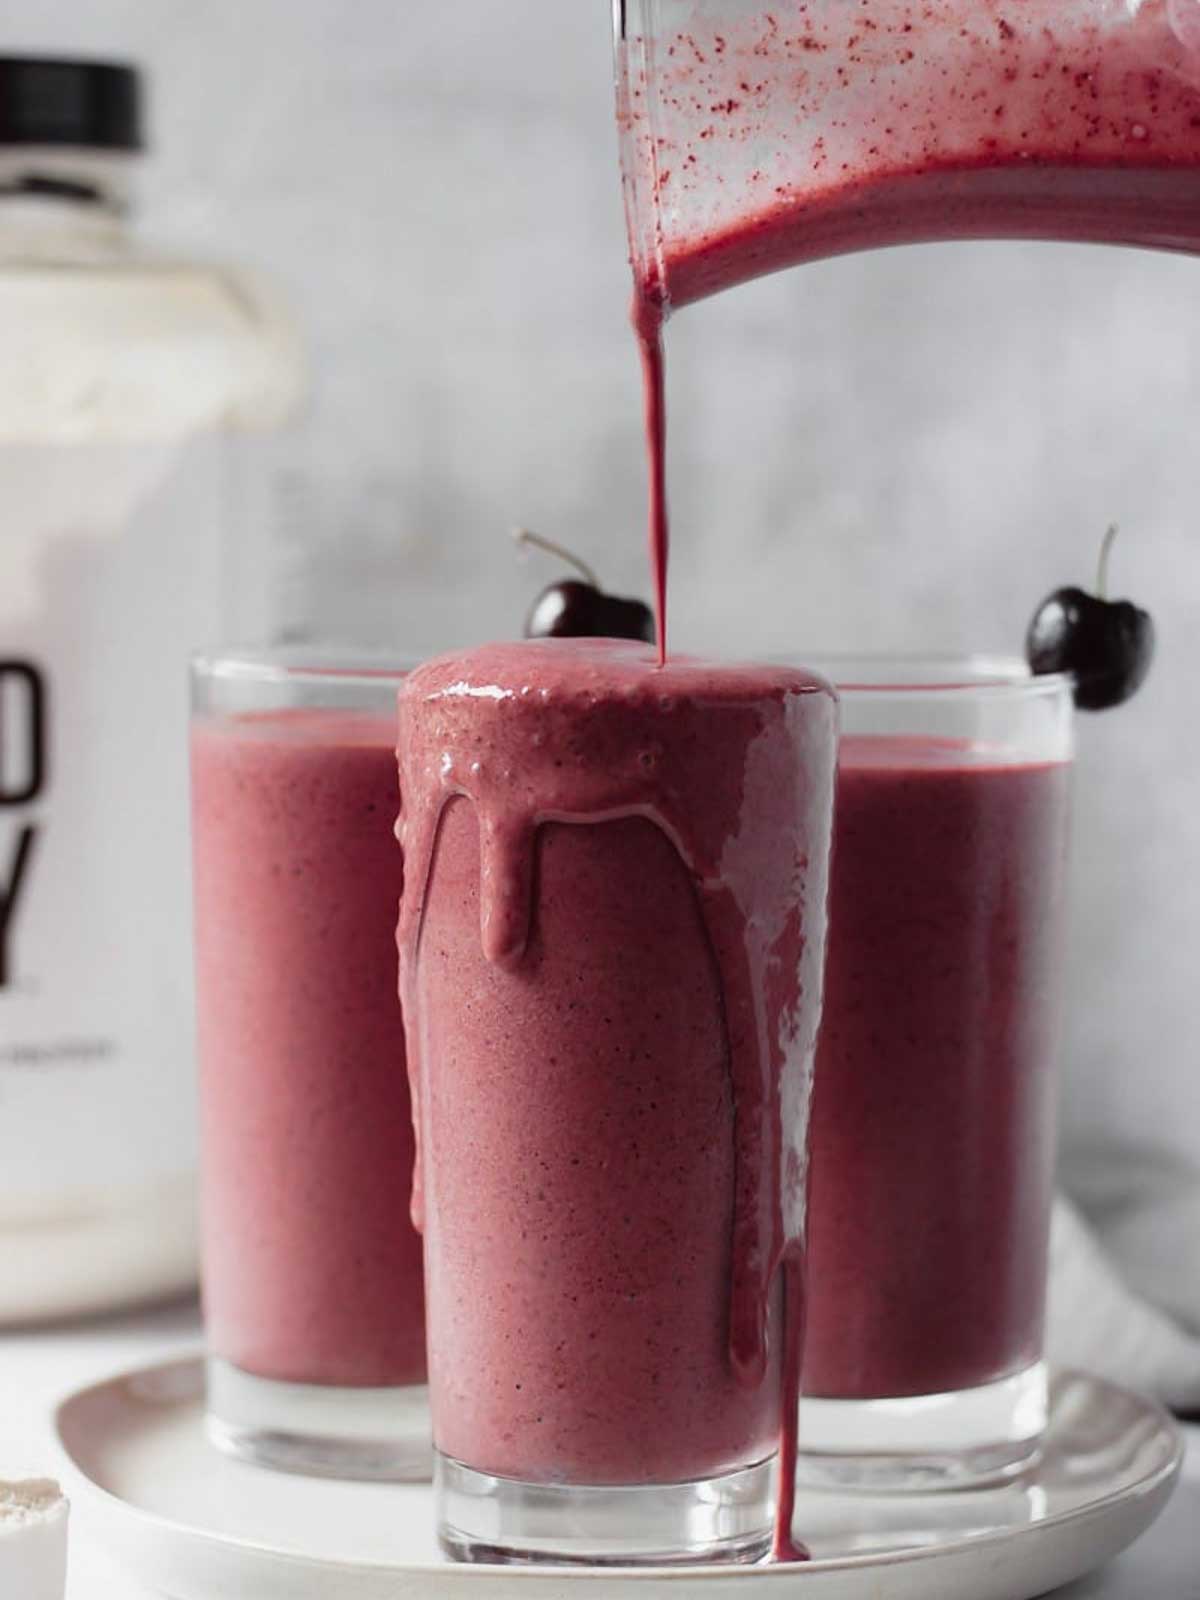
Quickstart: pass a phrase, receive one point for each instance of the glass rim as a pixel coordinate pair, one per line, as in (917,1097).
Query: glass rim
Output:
(884,673)
(301,664)
(948,675)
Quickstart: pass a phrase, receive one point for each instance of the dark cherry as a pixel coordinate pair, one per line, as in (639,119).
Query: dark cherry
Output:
(1106,645)
(577,610)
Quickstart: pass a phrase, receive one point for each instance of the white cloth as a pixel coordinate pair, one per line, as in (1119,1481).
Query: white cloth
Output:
(1125,1285)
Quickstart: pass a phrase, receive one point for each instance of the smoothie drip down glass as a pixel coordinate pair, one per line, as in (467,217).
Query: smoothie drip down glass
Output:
(611,947)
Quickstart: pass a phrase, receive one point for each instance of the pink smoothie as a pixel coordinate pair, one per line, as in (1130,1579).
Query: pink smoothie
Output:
(933,1114)
(312,1270)
(611,947)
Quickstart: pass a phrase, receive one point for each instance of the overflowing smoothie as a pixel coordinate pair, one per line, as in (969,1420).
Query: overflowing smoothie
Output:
(312,1271)
(933,1115)
(611,946)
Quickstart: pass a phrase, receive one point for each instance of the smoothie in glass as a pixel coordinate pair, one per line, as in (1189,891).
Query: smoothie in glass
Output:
(611,949)
(933,1107)
(312,1270)
(933,1116)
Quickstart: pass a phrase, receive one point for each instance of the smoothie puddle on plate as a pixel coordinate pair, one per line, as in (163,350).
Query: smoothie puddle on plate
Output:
(611,943)
(312,1273)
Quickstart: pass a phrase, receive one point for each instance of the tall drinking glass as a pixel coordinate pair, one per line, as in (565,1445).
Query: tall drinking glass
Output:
(611,949)
(758,136)
(313,1296)
(933,1113)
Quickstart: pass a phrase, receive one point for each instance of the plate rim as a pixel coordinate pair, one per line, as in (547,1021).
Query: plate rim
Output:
(1161,1480)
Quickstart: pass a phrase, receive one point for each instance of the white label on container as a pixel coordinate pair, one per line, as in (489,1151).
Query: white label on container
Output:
(110,574)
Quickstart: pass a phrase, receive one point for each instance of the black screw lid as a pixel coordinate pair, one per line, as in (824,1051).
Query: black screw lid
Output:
(89,104)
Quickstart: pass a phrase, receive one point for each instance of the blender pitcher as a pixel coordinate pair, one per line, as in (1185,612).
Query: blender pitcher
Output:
(758,136)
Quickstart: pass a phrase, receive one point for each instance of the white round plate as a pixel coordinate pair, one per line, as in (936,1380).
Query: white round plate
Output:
(190,1523)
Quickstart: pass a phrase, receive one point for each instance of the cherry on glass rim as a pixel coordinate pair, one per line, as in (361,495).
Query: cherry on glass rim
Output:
(1106,646)
(578,608)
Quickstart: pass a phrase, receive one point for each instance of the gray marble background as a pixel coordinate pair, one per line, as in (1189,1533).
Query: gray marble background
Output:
(901,450)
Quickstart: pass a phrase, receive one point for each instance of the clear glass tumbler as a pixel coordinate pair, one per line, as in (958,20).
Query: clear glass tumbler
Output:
(758,136)
(312,1274)
(933,1118)
(611,950)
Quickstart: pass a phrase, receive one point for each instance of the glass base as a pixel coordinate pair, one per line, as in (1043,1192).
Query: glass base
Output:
(725,1519)
(317,1429)
(957,1440)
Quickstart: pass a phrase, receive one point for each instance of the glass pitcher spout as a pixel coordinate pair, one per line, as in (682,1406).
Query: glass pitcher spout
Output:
(755,136)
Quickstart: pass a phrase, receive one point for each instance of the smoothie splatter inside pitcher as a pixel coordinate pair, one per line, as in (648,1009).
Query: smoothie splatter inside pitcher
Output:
(762,138)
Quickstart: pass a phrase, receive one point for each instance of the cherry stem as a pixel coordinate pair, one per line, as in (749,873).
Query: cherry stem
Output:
(524,537)
(1102,567)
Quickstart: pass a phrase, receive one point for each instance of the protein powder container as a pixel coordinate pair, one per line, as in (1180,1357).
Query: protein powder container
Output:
(134,391)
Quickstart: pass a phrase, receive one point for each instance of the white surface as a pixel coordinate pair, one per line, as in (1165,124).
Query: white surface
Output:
(191,1523)
(33,1539)
(37,1369)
